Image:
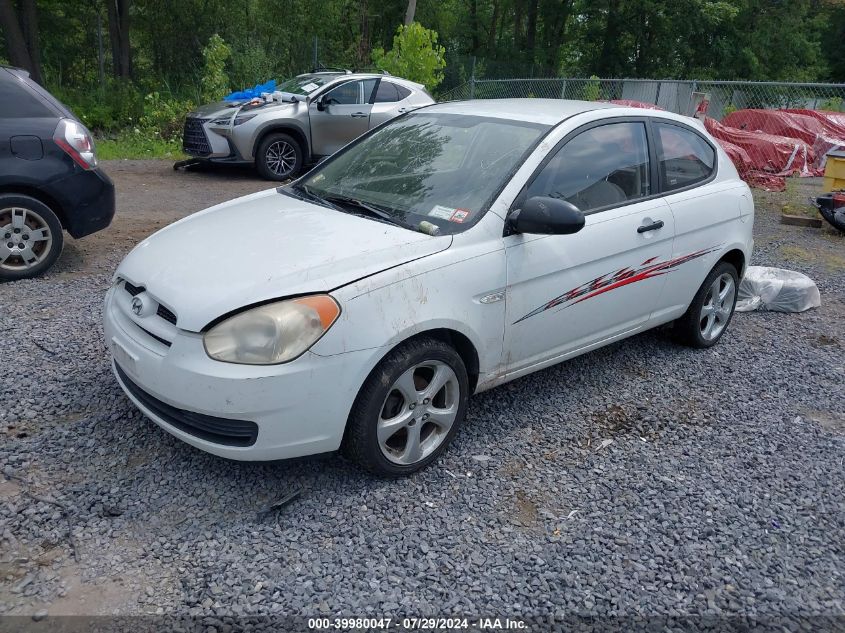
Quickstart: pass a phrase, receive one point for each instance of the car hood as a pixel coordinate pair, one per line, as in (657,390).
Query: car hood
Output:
(262,247)
(228,108)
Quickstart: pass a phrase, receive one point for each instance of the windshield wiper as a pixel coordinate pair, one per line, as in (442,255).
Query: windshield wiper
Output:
(304,193)
(369,209)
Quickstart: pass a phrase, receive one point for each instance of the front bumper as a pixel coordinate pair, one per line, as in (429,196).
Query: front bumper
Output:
(295,409)
(201,139)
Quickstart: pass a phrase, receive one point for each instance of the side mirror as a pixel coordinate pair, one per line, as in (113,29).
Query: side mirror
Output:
(546,216)
(321,103)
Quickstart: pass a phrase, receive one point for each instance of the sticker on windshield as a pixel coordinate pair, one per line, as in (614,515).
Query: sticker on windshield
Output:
(310,87)
(459,216)
(449,213)
(444,213)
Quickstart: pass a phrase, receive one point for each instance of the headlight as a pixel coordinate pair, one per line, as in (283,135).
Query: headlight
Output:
(243,118)
(273,333)
(226,120)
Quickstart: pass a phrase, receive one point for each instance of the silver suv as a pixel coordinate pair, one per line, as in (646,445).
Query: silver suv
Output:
(307,117)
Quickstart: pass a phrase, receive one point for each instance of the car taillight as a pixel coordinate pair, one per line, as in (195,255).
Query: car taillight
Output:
(75,140)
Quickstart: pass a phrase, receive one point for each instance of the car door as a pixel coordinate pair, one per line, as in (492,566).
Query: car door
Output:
(345,115)
(388,102)
(568,292)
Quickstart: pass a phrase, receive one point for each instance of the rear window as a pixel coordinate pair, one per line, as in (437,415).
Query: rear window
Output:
(17,102)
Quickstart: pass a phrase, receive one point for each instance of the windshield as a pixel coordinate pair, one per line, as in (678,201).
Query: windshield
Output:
(440,169)
(304,85)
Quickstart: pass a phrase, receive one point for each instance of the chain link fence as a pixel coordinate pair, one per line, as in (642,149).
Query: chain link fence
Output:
(679,96)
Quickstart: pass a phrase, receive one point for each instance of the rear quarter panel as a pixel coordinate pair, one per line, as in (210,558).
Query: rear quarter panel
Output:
(718,217)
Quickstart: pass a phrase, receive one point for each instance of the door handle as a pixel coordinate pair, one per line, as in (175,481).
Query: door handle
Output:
(359,115)
(650,227)
(402,110)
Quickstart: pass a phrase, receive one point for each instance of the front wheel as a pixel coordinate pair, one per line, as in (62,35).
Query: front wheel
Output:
(409,409)
(279,157)
(711,310)
(31,237)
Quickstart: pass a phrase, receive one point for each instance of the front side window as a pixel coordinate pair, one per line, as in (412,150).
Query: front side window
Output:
(601,167)
(444,169)
(345,94)
(685,158)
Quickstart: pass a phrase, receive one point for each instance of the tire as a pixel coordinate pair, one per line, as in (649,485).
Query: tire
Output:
(692,328)
(31,237)
(279,146)
(383,425)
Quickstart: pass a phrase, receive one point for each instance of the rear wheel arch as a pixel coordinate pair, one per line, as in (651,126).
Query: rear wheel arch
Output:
(735,258)
(34,192)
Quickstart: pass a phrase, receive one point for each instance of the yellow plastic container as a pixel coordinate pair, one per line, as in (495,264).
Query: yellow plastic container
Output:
(834,171)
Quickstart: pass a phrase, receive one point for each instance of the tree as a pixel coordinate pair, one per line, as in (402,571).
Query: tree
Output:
(121,52)
(21,36)
(409,14)
(415,55)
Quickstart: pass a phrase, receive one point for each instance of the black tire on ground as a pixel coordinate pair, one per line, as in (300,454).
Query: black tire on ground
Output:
(38,215)
(360,443)
(688,327)
(271,148)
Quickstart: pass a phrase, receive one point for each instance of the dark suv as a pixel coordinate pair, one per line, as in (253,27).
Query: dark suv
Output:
(49,180)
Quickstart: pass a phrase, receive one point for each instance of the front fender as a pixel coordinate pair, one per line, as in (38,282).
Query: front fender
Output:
(432,293)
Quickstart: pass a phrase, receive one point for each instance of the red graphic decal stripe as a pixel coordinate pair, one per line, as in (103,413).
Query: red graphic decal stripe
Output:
(622,277)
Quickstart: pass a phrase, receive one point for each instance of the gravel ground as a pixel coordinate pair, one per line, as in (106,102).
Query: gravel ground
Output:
(641,479)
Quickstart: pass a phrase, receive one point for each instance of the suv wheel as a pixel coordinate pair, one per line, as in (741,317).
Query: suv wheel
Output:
(279,157)
(409,409)
(31,237)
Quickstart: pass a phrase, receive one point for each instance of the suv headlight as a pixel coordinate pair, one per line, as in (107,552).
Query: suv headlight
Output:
(274,333)
(243,118)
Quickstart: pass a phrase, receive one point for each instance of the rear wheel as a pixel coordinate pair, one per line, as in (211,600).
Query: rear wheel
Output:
(409,409)
(279,157)
(712,308)
(31,237)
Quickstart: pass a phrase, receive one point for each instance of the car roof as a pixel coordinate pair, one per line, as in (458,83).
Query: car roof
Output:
(334,75)
(547,111)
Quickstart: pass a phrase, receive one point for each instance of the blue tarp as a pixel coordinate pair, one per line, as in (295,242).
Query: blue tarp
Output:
(251,93)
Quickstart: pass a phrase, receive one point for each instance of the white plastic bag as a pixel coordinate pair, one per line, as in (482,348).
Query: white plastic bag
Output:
(776,289)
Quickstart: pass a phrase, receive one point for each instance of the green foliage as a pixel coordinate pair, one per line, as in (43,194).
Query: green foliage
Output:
(415,55)
(163,118)
(592,89)
(215,81)
(135,144)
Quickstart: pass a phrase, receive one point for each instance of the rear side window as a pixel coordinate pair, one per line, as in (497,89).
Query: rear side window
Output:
(685,158)
(16,102)
(403,92)
(386,92)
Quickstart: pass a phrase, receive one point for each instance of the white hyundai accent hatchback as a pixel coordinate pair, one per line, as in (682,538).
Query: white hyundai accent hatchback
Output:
(448,251)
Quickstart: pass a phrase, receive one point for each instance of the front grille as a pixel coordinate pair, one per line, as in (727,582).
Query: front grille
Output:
(166,314)
(206,427)
(194,140)
(133,290)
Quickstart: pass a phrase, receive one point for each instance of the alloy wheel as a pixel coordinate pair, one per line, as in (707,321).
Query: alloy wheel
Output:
(280,158)
(418,412)
(25,238)
(717,308)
